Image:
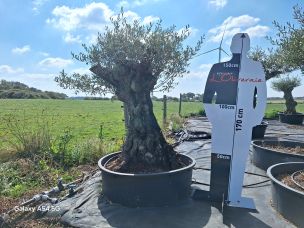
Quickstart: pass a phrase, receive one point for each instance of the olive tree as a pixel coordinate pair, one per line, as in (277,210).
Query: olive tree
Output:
(130,60)
(272,61)
(290,40)
(286,85)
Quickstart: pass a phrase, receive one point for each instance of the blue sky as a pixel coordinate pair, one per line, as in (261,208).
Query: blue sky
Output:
(38,36)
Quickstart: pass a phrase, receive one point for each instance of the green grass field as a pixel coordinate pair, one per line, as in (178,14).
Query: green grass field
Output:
(83,117)
(41,168)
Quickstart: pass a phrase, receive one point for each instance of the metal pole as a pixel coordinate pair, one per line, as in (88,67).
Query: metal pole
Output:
(180,105)
(165,111)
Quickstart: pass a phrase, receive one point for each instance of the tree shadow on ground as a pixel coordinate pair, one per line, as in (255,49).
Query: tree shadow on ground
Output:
(240,217)
(191,213)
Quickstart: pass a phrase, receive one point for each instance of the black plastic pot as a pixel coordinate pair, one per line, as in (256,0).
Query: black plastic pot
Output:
(264,158)
(147,190)
(296,119)
(258,131)
(287,201)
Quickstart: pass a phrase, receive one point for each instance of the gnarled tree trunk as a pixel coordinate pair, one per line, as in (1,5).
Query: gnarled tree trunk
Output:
(145,148)
(290,102)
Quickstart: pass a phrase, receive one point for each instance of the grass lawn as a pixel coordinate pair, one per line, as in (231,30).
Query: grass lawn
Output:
(83,118)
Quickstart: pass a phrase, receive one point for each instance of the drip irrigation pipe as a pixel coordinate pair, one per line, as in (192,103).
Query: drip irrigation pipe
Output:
(300,172)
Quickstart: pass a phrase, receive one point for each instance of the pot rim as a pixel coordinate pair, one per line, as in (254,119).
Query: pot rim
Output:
(277,151)
(191,165)
(293,114)
(269,174)
(263,123)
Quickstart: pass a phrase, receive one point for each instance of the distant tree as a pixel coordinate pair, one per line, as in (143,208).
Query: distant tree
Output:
(18,90)
(131,60)
(286,85)
(190,96)
(12,85)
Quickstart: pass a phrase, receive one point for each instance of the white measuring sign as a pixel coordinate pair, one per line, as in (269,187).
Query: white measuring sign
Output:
(234,101)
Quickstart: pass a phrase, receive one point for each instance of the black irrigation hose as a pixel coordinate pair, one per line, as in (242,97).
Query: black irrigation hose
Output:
(256,174)
(202,168)
(185,135)
(301,172)
(253,185)
(201,183)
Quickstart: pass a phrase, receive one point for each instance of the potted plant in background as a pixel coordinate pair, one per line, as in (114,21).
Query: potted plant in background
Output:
(286,85)
(131,59)
(267,153)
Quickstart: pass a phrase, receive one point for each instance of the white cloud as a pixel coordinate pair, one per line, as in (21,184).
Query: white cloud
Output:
(6,69)
(82,70)
(192,31)
(55,62)
(22,50)
(93,16)
(150,19)
(91,39)
(124,4)
(38,76)
(243,23)
(135,3)
(257,31)
(80,24)
(218,4)
(206,66)
(45,54)
(69,38)
(197,74)
(131,16)
(143,2)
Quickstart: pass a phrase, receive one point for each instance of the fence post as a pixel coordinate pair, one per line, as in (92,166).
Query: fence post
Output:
(126,116)
(164,111)
(180,105)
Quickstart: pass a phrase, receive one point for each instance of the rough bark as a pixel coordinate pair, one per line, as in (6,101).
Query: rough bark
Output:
(145,148)
(290,102)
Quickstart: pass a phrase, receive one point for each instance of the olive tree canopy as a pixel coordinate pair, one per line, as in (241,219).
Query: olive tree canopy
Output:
(272,61)
(131,59)
(290,40)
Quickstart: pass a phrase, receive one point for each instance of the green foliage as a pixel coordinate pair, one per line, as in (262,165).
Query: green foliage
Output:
(100,133)
(202,112)
(29,141)
(23,175)
(17,190)
(176,123)
(60,147)
(286,83)
(272,114)
(272,61)
(289,40)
